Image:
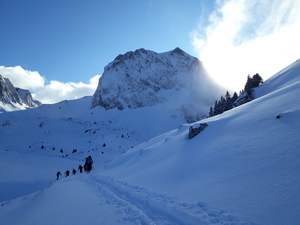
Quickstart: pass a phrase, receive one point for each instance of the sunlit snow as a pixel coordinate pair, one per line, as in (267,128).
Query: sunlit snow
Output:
(244,168)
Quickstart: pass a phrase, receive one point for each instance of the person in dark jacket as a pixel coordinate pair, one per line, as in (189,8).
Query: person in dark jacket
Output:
(67,173)
(89,163)
(80,168)
(74,171)
(57,175)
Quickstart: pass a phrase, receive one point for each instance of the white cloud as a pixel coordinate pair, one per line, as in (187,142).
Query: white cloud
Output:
(25,79)
(53,92)
(57,91)
(247,37)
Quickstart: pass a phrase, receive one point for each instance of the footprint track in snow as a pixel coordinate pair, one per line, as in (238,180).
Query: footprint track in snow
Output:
(140,206)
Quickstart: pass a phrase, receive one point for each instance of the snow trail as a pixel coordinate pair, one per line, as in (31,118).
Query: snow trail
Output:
(142,206)
(99,199)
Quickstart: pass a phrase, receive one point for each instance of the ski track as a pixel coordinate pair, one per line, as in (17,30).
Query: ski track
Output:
(141,206)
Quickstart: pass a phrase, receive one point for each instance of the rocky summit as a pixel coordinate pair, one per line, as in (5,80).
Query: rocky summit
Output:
(145,78)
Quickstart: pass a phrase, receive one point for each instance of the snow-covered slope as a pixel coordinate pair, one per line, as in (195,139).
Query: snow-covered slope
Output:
(72,125)
(282,79)
(243,168)
(247,160)
(145,78)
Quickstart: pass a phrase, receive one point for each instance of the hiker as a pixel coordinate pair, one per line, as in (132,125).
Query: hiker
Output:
(67,173)
(80,168)
(74,171)
(88,163)
(57,175)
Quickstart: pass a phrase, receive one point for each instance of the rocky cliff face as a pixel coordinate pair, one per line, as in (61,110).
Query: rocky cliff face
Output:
(8,92)
(12,98)
(27,99)
(145,78)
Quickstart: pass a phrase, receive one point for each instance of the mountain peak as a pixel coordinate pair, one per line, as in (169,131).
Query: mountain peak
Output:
(14,98)
(143,78)
(178,51)
(132,55)
(8,92)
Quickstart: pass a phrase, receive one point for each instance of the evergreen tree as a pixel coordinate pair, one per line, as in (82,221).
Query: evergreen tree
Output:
(227,96)
(257,80)
(228,102)
(245,95)
(253,82)
(211,112)
(249,84)
(234,98)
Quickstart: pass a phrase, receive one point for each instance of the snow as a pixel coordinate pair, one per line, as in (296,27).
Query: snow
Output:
(284,78)
(243,168)
(9,107)
(24,174)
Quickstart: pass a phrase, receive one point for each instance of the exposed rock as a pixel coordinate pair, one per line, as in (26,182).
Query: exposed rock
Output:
(194,131)
(26,97)
(12,98)
(8,92)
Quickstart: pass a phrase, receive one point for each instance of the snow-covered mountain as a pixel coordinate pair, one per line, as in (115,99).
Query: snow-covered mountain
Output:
(27,99)
(8,91)
(243,168)
(12,99)
(145,78)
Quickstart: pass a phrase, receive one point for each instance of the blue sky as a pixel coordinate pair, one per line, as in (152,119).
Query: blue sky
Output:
(56,48)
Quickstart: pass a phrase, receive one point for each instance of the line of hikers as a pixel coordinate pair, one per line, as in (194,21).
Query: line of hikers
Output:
(88,165)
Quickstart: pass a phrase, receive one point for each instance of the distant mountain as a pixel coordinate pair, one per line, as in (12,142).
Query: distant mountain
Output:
(8,92)
(12,99)
(27,98)
(145,78)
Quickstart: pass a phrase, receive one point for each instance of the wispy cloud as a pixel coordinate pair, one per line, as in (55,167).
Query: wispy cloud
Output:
(53,92)
(247,37)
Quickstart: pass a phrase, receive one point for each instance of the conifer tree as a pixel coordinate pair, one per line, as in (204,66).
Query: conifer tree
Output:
(245,95)
(257,80)
(211,112)
(234,98)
